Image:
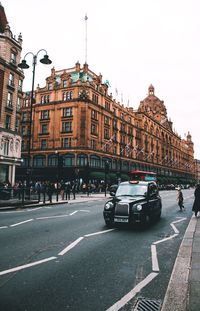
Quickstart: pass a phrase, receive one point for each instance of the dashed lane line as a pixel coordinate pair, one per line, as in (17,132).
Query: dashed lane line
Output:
(27,265)
(21,223)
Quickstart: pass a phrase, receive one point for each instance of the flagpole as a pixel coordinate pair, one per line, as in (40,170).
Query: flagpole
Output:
(86,18)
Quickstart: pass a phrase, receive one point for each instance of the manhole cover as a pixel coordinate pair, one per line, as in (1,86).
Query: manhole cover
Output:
(144,304)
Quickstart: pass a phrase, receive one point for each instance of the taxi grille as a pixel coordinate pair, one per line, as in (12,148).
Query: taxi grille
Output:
(122,209)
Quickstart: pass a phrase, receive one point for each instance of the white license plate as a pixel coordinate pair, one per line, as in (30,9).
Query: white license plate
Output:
(121,219)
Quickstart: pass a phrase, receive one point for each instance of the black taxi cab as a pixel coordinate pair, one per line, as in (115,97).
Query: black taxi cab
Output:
(133,202)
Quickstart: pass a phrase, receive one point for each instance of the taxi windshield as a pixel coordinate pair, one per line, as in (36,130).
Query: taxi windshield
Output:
(131,190)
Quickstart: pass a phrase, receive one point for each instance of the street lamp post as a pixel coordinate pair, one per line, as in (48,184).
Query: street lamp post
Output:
(23,65)
(106,171)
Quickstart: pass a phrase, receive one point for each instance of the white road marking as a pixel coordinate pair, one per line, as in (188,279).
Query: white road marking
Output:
(3,227)
(155,266)
(27,265)
(51,217)
(174,228)
(181,219)
(21,223)
(96,233)
(70,246)
(119,304)
(166,239)
(73,213)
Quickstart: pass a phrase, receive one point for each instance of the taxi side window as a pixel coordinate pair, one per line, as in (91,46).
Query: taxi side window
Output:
(152,190)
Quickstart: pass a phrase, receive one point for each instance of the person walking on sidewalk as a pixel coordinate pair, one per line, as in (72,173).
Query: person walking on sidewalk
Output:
(180,198)
(196,204)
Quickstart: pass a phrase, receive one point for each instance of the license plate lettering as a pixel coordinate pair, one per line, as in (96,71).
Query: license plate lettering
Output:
(121,219)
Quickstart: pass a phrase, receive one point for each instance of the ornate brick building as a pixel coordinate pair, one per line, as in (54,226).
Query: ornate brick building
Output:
(78,127)
(10,101)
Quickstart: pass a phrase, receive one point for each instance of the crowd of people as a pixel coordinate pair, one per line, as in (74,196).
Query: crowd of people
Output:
(65,190)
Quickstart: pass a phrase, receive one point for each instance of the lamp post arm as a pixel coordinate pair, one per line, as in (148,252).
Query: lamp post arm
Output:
(41,51)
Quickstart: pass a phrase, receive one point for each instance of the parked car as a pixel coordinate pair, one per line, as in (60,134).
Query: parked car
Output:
(133,202)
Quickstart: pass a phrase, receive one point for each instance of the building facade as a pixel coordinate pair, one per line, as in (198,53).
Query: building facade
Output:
(77,127)
(10,101)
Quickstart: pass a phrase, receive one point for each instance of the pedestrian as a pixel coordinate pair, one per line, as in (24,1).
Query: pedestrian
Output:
(38,189)
(50,190)
(62,189)
(180,198)
(74,190)
(196,204)
(68,190)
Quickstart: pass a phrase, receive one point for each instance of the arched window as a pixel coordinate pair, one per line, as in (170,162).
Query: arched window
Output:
(52,160)
(68,160)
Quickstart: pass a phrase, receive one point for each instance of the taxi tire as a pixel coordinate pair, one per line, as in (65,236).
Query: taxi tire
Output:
(109,223)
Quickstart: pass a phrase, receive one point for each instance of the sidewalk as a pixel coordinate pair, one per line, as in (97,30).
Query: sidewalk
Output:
(15,204)
(183,292)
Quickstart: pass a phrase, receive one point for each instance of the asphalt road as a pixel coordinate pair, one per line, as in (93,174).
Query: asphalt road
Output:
(62,257)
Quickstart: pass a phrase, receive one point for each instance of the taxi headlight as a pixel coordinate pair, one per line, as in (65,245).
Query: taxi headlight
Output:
(139,207)
(109,205)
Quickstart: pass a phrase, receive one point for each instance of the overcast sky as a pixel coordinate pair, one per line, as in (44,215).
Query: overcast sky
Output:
(132,43)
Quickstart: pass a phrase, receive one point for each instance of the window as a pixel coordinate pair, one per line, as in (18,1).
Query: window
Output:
(106,133)
(18,104)
(13,58)
(8,122)
(95,98)
(24,116)
(11,79)
(44,114)
(39,161)
(106,120)
(66,142)
(45,99)
(123,127)
(64,83)
(50,86)
(23,130)
(115,124)
(95,161)
(44,128)
(10,100)
(67,127)
(52,160)
(94,114)
(6,147)
(107,105)
(82,160)
(43,144)
(20,83)
(67,95)
(17,123)
(68,160)
(93,144)
(67,112)
(93,129)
